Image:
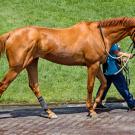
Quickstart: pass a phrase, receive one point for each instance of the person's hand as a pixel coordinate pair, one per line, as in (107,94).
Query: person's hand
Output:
(130,56)
(124,59)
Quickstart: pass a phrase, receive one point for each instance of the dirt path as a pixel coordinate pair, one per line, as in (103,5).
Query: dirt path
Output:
(72,120)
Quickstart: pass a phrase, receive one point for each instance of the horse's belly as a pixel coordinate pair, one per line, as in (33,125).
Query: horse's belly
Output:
(65,60)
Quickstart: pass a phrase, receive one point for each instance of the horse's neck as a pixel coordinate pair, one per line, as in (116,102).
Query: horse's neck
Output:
(114,35)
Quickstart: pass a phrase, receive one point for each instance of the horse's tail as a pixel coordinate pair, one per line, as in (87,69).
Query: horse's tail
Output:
(3,39)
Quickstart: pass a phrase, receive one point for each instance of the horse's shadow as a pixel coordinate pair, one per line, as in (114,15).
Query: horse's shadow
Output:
(36,111)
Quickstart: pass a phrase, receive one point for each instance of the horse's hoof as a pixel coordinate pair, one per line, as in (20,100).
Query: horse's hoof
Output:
(52,116)
(92,115)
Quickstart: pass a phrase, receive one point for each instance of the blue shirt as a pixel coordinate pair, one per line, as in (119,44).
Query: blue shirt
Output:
(111,64)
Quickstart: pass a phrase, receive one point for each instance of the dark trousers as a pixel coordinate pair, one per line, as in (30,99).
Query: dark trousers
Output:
(120,83)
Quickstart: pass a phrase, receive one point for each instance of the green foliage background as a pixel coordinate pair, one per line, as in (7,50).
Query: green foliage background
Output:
(58,83)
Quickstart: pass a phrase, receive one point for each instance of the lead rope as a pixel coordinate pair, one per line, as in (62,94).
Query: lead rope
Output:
(126,70)
(124,66)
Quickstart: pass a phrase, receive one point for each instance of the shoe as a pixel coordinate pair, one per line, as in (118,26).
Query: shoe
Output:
(101,106)
(132,108)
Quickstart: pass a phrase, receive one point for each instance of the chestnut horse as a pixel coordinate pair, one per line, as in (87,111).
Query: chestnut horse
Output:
(85,44)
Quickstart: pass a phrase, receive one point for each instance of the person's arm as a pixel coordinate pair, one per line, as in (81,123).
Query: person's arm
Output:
(115,50)
(119,53)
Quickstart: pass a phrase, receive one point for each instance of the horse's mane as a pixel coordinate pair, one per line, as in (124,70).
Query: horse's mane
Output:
(121,21)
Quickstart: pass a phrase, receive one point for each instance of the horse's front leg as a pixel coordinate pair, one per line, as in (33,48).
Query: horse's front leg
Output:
(102,87)
(92,71)
(33,84)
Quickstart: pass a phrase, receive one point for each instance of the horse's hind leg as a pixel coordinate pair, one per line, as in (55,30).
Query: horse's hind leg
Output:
(9,77)
(33,84)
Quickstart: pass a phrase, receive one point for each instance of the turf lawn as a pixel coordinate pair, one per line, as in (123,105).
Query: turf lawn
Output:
(58,83)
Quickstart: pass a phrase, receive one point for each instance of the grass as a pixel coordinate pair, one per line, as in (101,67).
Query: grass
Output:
(58,83)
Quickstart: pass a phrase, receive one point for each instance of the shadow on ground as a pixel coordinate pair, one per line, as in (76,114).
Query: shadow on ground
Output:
(36,111)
